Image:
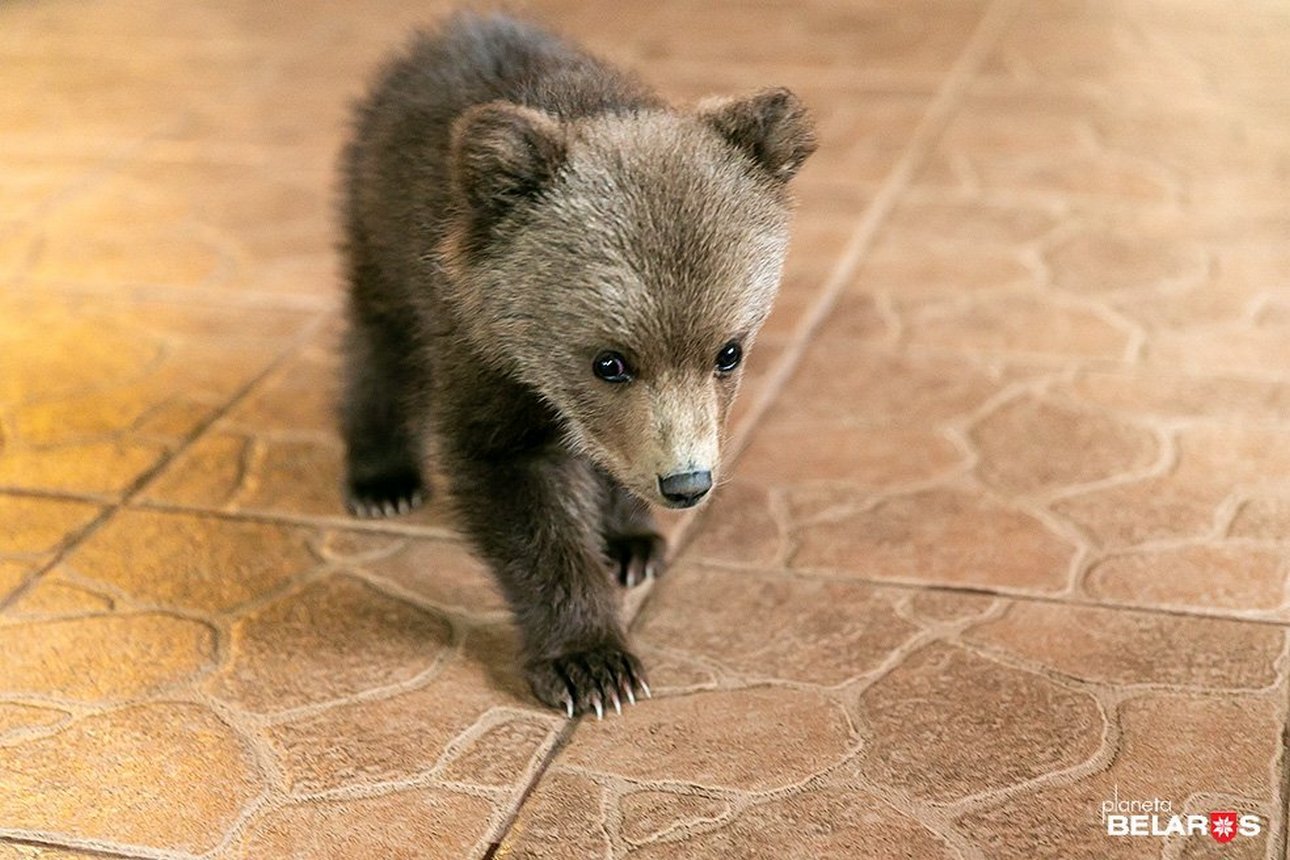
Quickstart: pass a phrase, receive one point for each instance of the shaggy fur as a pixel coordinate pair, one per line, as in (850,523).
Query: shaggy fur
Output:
(514,208)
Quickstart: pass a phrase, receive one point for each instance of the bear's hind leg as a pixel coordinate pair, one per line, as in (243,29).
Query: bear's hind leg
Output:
(382,443)
(382,452)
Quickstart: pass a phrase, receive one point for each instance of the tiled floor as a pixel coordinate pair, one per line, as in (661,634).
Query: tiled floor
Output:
(1009,536)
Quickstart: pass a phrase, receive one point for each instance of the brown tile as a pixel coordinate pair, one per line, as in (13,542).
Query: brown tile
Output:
(916,274)
(13,574)
(160,776)
(30,526)
(189,562)
(560,819)
(405,825)
(1214,460)
(17,717)
(1063,819)
(813,823)
(1265,518)
(807,630)
(1020,326)
(406,735)
(673,738)
(1100,260)
(947,723)
(50,597)
(103,658)
(937,537)
(1120,647)
(648,815)
(739,527)
(1170,394)
(278,452)
(107,388)
(784,452)
(836,381)
(34,852)
(1030,445)
(334,638)
(1215,578)
(447,574)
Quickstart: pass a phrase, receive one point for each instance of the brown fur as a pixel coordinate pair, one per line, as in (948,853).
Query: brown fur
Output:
(513,209)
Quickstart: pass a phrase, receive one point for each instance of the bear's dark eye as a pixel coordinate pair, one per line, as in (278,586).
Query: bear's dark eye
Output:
(729,357)
(612,367)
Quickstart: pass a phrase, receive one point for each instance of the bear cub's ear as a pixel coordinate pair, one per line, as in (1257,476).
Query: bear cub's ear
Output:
(503,153)
(771,127)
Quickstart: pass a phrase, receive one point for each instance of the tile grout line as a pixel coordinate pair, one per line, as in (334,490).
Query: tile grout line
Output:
(993,23)
(110,509)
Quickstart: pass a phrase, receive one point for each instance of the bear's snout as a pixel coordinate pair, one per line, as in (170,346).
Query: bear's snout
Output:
(684,489)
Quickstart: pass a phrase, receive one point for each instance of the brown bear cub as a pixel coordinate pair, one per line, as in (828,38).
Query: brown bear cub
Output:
(555,276)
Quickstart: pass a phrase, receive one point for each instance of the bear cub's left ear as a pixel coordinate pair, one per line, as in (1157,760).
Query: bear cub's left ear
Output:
(772,127)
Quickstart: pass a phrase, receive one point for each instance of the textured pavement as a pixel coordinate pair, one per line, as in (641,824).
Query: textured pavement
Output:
(1009,535)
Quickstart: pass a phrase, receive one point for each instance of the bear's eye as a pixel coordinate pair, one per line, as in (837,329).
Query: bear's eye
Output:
(612,367)
(729,357)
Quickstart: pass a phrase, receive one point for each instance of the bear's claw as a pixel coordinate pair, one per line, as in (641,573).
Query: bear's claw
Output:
(636,558)
(584,681)
(385,496)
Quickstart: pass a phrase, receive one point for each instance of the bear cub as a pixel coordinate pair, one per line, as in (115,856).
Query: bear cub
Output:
(555,276)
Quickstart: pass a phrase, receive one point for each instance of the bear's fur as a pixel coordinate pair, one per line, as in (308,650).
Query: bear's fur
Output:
(513,210)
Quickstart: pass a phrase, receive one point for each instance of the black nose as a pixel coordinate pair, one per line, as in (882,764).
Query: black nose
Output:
(685,488)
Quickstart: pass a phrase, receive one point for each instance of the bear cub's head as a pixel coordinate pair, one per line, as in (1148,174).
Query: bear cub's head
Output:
(621,266)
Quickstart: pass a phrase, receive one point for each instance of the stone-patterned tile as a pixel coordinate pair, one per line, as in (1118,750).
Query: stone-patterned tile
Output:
(193,225)
(15,851)
(405,825)
(1019,455)
(474,720)
(103,658)
(1063,819)
(164,776)
(1035,711)
(278,452)
(106,388)
(947,723)
(1214,461)
(331,640)
(944,537)
(31,527)
(1117,647)
(808,632)
(188,562)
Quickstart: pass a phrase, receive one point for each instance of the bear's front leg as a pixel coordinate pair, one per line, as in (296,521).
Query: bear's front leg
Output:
(537,519)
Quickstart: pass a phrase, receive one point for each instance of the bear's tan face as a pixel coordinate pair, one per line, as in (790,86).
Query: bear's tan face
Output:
(655,243)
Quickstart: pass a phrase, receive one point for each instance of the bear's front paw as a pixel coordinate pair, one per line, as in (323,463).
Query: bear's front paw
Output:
(636,558)
(592,679)
(385,495)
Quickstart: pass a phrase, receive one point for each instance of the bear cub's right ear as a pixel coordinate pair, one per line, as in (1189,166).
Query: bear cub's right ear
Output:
(503,153)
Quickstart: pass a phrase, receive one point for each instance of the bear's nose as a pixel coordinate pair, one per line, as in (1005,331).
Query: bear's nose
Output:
(685,488)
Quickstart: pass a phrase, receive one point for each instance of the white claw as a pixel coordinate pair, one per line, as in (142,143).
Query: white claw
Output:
(645,690)
(417,499)
(618,704)
(600,709)
(403,507)
(568,706)
(649,570)
(631,697)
